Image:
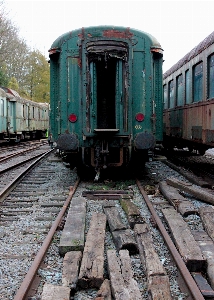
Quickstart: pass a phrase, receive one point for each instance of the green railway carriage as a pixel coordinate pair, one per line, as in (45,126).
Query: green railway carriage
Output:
(106,95)
(21,119)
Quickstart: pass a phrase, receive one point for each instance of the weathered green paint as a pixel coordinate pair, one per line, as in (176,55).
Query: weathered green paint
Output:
(138,84)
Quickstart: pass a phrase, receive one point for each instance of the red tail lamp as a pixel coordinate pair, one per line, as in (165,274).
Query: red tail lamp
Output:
(72,118)
(139,117)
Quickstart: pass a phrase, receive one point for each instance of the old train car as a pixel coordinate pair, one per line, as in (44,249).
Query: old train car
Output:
(189,99)
(106,96)
(21,119)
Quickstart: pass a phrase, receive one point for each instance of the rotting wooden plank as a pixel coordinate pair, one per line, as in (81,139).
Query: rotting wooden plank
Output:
(135,220)
(121,192)
(123,285)
(104,197)
(207,248)
(109,203)
(194,178)
(71,266)
(132,212)
(180,203)
(184,240)
(126,269)
(203,285)
(92,266)
(107,194)
(124,239)
(207,217)
(73,234)
(114,219)
(158,281)
(53,204)
(190,176)
(126,196)
(104,292)
(159,288)
(118,288)
(129,207)
(198,193)
(148,255)
(55,292)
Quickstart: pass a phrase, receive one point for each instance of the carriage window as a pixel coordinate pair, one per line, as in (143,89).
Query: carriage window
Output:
(171,94)
(197,82)
(23,111)
(165,98)
(187,87)
(33,112)
(2,108)
(210,81)
(179,90)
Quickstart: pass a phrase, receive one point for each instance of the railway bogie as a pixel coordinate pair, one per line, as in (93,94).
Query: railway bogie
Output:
(21,119)
(189,99)
(106,95)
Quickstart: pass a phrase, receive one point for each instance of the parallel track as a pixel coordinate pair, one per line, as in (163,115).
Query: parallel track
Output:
(189,287)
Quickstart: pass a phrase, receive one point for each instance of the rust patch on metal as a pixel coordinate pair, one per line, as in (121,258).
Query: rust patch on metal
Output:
(52,51)
(157,50)
(80,62)
(118,34)
(82,34)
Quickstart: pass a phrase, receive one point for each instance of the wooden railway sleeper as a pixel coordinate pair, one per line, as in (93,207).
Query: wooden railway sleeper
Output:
(191,284)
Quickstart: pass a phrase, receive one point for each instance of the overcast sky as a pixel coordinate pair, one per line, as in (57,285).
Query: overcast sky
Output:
(178,25)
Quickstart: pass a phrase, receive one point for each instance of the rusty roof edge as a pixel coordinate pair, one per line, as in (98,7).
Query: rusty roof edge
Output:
(64,37)
(157,49)
(209,40)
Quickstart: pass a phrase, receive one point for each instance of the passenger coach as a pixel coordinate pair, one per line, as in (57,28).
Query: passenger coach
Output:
(21,119)
(189,99)
(106,96)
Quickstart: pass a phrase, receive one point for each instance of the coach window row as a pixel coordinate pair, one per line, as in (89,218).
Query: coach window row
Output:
(178,90)
(26,112)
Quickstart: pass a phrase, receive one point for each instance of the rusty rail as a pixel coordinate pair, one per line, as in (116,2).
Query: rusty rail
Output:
(4,192)
(192,286)
(24,161)
(17,153)
(26,284)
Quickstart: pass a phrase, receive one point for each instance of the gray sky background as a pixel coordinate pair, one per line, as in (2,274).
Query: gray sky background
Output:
(179,26)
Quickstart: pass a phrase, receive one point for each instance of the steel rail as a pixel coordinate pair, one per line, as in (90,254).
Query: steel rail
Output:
(10,185)
(18,153)
(23,161)
(26,284)
(191,284)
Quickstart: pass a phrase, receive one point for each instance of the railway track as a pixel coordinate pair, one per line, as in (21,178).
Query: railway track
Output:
(16,165)
(8,150)
(27,213)
(119,242)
